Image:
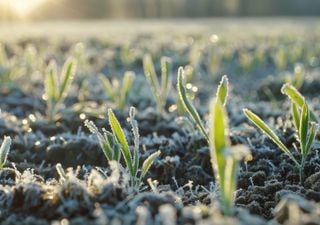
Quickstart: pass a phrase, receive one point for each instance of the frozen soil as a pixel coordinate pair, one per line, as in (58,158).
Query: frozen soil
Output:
(181,188)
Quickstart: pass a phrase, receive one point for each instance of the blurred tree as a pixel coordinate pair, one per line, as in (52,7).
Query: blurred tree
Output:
(85,9)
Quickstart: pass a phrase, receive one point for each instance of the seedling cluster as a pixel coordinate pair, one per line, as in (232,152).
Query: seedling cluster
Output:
(302,117)
(118,92)
(175,149)
(224,157)
(115,145)
(57,87)
(160,89)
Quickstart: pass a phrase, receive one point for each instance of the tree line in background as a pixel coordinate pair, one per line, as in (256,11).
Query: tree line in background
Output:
(85,9)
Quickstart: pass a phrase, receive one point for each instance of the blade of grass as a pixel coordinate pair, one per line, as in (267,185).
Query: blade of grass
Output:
(303,131)
(150,73)
(118,132)
(222,90)
(312,135)
(165,76)
(218,140)
(68,72)
(128,79)
(187,104)
(297,98)
(107,86)
(4,150)
(293,94)
(106,145)
(51,82)
(148,163)
(135,131)
(267,130)
(295,115)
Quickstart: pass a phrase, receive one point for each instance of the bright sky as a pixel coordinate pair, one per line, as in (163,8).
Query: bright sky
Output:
(21,7)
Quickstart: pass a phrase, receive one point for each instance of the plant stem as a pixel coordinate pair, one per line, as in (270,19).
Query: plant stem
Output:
(301,170)
(227,208)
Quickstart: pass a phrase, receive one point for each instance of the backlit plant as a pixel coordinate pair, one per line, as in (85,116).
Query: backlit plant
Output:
(160,89)
(9,70)
(116,92)
(57,86)
(224,157)
(4,150)
(306,129)
(115,145)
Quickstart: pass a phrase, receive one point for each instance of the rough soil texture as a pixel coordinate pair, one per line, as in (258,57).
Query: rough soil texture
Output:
(94,191)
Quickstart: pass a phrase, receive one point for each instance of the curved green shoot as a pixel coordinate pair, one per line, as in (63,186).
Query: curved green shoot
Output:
(4,150)
(256,120)
(295,96)
(188,105)
(119,134)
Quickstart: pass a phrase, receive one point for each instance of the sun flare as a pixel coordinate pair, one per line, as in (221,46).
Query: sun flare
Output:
(21,7)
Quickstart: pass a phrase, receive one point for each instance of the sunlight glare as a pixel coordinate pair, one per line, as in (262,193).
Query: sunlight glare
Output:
(21,7)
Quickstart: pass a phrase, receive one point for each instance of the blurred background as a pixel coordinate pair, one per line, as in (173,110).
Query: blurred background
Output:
(41,10)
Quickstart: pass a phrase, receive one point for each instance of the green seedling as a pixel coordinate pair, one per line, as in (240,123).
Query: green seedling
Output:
(296,97)
(222,94)
(224,157)
(9,69)
(160,89)
(57,87)
(114,145)
(306,128)
(118,93)
(107,141)
(4,151)
(188,105)
(191,91)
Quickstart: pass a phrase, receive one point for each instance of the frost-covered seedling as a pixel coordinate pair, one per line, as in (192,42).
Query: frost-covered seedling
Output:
(306,128)
(9,70)
(4,151)
(57,87)
(222,94)
(116,92)
(224,157)
(160,89)
(107,141)
(297,98)
(115,142)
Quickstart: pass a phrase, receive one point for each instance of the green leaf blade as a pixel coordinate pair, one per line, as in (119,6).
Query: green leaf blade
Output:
(218,140)
(148,163)
(165,76)
(128,79)
(222,90)
(293,94)
(304,125)
(295,115)
(4,150)
(119,134)
(68,73)
(51,82)
(187,104)
(256,120)
(312,136)
(150,73)
(107,86)
(136,135)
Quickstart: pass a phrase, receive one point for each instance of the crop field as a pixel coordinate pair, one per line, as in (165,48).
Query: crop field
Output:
(200,122)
